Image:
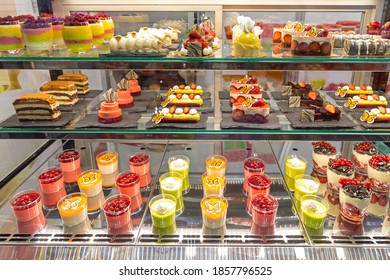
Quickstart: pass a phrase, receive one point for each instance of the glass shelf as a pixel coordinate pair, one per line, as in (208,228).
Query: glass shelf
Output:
(222,60)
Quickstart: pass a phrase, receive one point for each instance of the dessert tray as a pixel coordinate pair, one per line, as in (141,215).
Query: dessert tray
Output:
(91,121)
(228,123)
(344,122)
(198,125)
(13,121)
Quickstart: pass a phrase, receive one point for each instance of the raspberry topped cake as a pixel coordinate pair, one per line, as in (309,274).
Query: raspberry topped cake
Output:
(109,109)
(361,154)
(241,89)
(378,172)
(338,168)
(195,45)
(322,152)
(251,111)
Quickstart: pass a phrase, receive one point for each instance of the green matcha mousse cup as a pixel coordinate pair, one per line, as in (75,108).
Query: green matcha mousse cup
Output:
(171,183)
(294,165)
(181,165)
(304,184)
(314,210)
(163,210)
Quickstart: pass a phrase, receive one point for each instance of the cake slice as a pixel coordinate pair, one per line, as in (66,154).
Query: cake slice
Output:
(306,100)
(380,114)
(353,90)
(296,89)
(37,106)
(79,80)
(251,111)
(365,101)
(329,112)
(176,115)
(64,91)
(246,87)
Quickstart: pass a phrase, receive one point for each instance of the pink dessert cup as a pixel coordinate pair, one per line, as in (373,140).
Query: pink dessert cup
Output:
(252,166)
(26,205)
(128,183)
(139,163)
(50,200)
(264,208)
(117,210)
(145,180)
(257,184)
(32,226)
(51,180)
(71,177)
(69,160)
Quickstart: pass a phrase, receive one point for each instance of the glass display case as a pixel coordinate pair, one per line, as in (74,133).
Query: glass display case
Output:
(188,238)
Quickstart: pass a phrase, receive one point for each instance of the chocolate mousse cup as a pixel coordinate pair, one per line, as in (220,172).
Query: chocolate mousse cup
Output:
(361,154)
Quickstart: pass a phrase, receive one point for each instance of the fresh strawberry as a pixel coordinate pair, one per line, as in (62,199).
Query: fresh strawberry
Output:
(194,34)
(351,87)
(363,87)
(330,108)
(375,96)
(258,103)
(182,86)
(179,96)
(312,95)
(302,84)
(363,96)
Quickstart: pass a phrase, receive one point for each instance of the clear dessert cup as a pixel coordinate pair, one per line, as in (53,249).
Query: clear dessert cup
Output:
(304,184)
(37,37)
(95,203)
(129,184)
(172,183)
(213,185)
(50,200)
(11,41)
(78,38)
(378,172)
(26,205)
(51,180)
(258,184)
(216,165)
(163,210)
(32,226)
(294,165)
(69,160)
(145,180)
(73,209)
(252,166)
(313,211)
(109,28)
(354,201)
(98,34)
(264,209)
(139,163)
(58,39)
(109,180)
(181,164)
(214,210)
(90,182)
(107,162)
(117,210)
(71,177)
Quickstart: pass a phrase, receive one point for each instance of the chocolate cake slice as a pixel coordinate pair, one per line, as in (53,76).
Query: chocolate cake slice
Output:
(329,112)
(37,106)
(64,91)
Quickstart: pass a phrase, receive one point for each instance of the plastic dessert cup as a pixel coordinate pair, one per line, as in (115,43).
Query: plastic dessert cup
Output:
(109,28)
(264,208)
(107,162)
(252,166)
(69,160)
(294,165)
(214,210)
(11,41)
(109,180)
(50,200)
(32,226)
(140,163)
(163,210)
(51,180)
(304,184)
(129,184)
(313,211)
(216,165)
(181,164)
(26,205)
(258,184)
(58,39)
(78,38)
(95,203)
(171,183)
(213,185)
(117,210)
(73,209)
(145,180)
(38,37)
(90,182)
(354,201)
(71,177)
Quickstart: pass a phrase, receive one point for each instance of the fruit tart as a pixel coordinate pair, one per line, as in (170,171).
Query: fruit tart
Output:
(251,111)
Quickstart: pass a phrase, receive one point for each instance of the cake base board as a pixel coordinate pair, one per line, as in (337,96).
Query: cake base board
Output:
(228,123)
(91,120)
(198,125)
(344,122)
(13,121)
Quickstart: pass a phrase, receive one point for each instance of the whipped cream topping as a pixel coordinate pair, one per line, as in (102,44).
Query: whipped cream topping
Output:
(296,162)
(178,163)
(163,206)
(193,111)
(171,183)
(246,24)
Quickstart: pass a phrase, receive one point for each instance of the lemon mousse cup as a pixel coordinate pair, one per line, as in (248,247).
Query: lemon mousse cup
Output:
(11,41)
(77,34)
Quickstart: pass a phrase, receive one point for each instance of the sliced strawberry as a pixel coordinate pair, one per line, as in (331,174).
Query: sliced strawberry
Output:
(186,110)
(179,96)
(193,86)
(363,96)
(363,87)
(258,103)
(382,109)
(192,96)
(375,96)
(194,34)
(312,95)
(172,110)
(330,108)
(182,86)
(351,87)
(302,84)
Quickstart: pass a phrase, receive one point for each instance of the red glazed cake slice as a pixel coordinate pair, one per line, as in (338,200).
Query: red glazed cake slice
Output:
(109,109)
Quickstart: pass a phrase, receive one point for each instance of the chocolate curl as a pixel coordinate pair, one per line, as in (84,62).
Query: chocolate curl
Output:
(131,75)
(110,95)
(123,85)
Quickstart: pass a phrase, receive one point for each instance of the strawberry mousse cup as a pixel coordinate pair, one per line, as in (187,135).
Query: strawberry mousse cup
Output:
(38,36)
(77,34)
(26,205)
(252,166)
(214,211)
(163,210)
(181,164)
(73,209)
(69,160)
(117,210)
(378,172)
(264,208)
(257,184)
(50,200)
(213,185)
(216,165)
(139,163)
(51,180)
(107,162)
(11,41)
(129,184)
(172,183)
